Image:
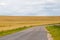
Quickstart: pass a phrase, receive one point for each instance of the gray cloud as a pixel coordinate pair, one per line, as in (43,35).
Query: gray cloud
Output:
(30,7)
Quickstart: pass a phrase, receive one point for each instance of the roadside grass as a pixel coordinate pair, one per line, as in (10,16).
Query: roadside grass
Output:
(55,31)
(3,33)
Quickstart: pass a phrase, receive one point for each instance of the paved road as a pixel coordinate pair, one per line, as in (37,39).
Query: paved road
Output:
(35,33)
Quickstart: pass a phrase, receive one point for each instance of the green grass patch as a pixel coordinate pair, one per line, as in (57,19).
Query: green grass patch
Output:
(3,33)
(55,31)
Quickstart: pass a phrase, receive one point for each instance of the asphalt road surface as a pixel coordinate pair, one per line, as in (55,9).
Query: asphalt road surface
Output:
(34,33)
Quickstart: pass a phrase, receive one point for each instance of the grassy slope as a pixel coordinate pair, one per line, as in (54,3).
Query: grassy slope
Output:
(3,33)
(12,22)
(55,31)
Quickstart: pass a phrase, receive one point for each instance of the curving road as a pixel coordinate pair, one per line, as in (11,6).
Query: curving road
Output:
(35,33)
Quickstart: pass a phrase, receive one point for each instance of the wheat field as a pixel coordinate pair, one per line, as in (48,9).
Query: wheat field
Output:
(12,22)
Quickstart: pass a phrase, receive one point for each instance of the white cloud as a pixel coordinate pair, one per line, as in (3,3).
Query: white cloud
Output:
(2,4)
(29,7)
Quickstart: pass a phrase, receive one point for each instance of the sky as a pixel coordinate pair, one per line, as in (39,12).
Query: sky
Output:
(29,7)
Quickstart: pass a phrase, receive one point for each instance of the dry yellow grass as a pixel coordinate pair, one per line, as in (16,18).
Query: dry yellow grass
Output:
(11,22)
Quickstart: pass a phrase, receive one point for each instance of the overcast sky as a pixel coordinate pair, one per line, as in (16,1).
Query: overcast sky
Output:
(30,7)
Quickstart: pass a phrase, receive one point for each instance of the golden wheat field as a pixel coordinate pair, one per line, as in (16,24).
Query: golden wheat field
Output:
(12,22)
